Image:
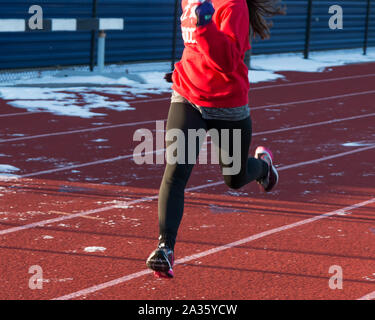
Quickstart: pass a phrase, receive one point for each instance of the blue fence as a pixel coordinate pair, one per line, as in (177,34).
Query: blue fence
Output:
(372,25)
(148,34)
(351,36)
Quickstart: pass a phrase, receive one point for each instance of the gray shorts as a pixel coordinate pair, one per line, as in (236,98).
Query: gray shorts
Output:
(209,113)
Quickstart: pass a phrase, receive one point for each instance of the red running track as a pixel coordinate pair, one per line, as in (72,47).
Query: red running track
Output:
(233,244)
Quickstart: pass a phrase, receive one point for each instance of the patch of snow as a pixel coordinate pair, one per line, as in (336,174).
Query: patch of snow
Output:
(256,76)
(82,101)
(99,140)
(56,107)
(25,93)
(324,237)
(6,168)
(317,62)
(357,144)
(63,225)
(8,177)
(337,174)
(17,135)
(78,104)
(95,249)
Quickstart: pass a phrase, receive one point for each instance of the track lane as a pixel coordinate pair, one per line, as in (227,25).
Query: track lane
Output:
(99,233)
(307,182)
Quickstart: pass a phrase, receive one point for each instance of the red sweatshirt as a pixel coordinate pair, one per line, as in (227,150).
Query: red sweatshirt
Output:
(211,72)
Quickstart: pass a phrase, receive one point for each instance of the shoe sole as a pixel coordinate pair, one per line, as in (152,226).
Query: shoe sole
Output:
(160,265)
(164,275)
(276,177)
(273,174)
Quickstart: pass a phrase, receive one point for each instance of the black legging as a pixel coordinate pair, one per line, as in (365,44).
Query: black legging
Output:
(171,195)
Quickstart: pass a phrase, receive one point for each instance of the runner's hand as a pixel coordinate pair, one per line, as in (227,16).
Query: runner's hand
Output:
(204,13)
(168,77)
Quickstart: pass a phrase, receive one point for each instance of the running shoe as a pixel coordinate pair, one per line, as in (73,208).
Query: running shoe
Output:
(272,178)
(161,262)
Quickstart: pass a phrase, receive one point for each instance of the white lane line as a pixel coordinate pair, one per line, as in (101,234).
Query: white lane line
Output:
(314,81)
(203,254)
(281,104)
(151,121)
(87,164)
(77,166)
(17,114)
(49,221)
(334,156)
(370,296)
(119,205)
(148,100)
(315,124)
(300,83)
(129,124)
(354,94)
(150,198)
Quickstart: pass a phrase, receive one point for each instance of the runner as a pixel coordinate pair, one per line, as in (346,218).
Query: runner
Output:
(210,92)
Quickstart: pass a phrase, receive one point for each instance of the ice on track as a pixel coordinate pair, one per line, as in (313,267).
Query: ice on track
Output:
(317,62)
(17,135)
(323,237)
(94,249)
(79,103)
(8,177)
(6,168)
(24,93)
(61,108)
(256,76)
(358,144)
(370,278)
(7,172)
(57,280)
(337,174)
(99,140)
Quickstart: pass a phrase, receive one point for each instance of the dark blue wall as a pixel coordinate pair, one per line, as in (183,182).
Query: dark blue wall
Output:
(352,36)
(148,31)
(372,24)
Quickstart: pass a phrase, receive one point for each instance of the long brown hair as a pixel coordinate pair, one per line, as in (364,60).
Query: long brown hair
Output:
(259,10)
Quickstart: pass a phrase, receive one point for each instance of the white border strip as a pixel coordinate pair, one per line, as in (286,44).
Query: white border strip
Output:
(12,25)
(111,24)
(64,25)
(203,254)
